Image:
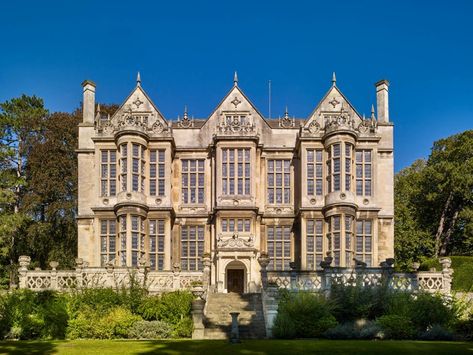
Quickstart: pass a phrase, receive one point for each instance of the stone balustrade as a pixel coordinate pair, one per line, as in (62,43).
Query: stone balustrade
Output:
(322,280)
(102,277)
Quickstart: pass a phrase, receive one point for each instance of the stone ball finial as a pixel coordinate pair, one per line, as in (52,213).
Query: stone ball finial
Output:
(54,265)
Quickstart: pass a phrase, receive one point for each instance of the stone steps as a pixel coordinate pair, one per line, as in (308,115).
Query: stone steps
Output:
(218,320)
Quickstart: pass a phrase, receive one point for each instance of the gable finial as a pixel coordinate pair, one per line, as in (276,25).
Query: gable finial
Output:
(138,79)
(286,113)
(186,116)
(98,108)
(372,111)
(235,79)
(334,79)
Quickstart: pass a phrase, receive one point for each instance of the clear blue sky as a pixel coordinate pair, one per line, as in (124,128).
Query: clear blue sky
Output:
(187,52)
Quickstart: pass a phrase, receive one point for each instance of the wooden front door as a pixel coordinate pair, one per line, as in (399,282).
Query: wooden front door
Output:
(235,280)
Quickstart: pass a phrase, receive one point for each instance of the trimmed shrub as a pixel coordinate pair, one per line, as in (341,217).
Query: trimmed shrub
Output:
(100,300)
(396,327)
(428,309)
(154,329)
(355,302)
(120,320)
(170,307)
(86,324)
(89,324)
(310,314)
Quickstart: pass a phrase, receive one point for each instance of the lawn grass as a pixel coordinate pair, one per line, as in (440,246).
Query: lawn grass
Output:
(248,347)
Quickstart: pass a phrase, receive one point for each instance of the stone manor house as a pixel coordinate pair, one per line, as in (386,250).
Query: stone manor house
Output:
(235,186)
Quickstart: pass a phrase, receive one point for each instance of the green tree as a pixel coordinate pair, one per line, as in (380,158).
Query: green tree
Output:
(20,123)
(434,202)
(51,195)
(412,242)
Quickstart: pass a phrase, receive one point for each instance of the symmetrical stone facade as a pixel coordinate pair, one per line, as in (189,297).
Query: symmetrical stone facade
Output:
(235,187)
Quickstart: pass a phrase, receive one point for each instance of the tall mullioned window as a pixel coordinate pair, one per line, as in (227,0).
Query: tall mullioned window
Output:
(364,241)
(314,172)
(348,158)
(192,247)
(236,171)
(236,225)
(193,181)
(339,167)
(138,168)
(124,167)
(156,244)
(137,239)
(363,172)
(335,228)
(123,240)
(157,172)
(108,172)
(279,247)
(279,181)
(314,243)
(348,240)
(108,237)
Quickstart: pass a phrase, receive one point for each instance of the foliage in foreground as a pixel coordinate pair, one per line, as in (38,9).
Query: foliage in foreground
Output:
(96,314)
(353,312)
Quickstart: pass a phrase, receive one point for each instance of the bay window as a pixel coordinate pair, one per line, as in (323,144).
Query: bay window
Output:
(339,167)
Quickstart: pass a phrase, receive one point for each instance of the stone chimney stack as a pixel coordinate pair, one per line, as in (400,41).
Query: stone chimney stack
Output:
(88,101)
(382,100)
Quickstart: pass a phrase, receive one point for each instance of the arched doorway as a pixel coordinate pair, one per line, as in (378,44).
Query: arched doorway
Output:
(235,277)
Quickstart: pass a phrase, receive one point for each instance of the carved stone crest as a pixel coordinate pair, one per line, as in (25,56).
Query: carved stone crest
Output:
(314,127)
(235,242)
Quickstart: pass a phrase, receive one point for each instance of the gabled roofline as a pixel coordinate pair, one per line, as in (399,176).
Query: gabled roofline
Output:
(323,99)
(138,86)
(246,98)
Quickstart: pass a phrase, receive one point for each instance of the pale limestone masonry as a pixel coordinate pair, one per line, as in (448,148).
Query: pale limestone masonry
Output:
(332,187)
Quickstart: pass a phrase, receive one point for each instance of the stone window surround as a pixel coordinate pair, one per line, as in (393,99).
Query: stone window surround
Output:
(271,189)
(199,245)
(273,225)
(189,186)
(265,156)
(253,165)
(109,181)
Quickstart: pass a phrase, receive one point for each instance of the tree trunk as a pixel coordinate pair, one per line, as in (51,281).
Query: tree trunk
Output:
(448,235)
(441,227)
(16,210)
